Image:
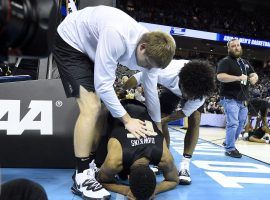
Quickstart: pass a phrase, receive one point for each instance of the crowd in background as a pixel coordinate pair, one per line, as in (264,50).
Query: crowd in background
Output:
(228,17)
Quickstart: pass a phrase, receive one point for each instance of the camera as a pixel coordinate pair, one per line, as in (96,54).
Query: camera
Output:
(27,27)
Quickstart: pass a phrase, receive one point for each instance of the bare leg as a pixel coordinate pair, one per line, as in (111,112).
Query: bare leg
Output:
(258,121)
(166,134)
(85,132)
(190,142)
(85,128)
(248,126)
(101,127)
(192,134)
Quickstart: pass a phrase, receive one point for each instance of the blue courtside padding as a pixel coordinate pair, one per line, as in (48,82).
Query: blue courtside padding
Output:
(179,122)
(214,176)
(4,79)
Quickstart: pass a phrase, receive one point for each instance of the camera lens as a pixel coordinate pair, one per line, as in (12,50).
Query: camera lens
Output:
(16,21)
(27,27)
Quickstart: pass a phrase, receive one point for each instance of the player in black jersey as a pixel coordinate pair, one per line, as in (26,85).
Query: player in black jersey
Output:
(260,135)
(133,156)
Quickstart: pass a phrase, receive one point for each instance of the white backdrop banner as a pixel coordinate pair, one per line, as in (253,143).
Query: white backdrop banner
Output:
(219,120)
(209,119)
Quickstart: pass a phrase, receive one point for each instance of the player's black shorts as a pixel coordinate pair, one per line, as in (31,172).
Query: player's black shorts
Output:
(75,68)
(169,102)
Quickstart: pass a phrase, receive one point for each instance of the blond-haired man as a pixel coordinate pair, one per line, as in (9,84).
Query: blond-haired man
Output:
(89,45)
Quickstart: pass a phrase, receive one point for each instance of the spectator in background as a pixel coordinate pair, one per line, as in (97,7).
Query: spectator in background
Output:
(124,80)
(139,94)
(235,75)
(198,15)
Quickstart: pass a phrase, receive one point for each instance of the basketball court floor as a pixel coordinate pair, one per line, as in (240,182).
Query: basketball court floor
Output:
(214,175)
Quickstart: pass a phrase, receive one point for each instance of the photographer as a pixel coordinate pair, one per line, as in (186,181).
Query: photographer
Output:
(235,75)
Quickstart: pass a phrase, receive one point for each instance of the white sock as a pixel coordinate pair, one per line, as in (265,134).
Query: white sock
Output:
(185,163)
(245,136)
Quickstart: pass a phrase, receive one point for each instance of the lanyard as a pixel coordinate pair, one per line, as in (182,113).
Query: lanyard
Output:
(242,66)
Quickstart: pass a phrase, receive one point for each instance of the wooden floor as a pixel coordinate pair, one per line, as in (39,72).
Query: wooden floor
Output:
(254,150)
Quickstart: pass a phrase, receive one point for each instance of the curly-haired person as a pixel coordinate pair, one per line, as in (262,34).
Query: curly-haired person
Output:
(189,83)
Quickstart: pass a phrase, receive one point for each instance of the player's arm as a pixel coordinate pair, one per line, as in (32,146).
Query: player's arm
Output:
(170,174)
(254,139)
(136,80)
(118,188)
(112,166)
(173,117)
(190,107)
(107,54)
(106,177)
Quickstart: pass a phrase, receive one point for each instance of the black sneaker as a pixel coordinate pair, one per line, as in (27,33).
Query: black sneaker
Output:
(234,153)
(224,144)
(184,177)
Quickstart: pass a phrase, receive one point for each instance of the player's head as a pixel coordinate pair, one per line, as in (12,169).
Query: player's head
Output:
(142,181)
(197,79)
(155,50)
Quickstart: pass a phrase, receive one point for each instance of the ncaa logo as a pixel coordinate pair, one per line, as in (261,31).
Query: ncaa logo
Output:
(16,126)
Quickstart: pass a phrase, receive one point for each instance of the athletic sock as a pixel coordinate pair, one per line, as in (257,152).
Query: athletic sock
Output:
(185,161)
(82,164)
(92,156)
(185,155)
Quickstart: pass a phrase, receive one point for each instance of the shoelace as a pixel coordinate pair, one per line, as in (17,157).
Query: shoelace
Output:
(92,184)
(184,173)
(90,173)
(96,169)
(93,167)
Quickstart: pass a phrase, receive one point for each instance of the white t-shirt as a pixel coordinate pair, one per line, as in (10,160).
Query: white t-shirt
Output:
(169,78)
(109,36)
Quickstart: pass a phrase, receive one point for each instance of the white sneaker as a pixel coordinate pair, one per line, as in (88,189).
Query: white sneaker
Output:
(266,137)
(86,186)
(184,177)
(93,166)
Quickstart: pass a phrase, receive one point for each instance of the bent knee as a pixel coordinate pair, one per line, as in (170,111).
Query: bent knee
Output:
(89,104)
